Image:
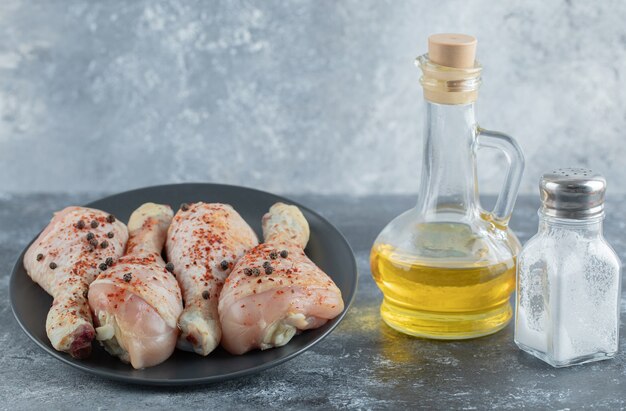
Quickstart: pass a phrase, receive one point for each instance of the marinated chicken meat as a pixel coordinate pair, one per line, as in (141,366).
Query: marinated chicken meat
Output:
(204,242)
(64,260)
(136,301)
(275,290)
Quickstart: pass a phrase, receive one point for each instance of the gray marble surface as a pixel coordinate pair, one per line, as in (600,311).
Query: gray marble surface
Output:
(363,364)
(295,96)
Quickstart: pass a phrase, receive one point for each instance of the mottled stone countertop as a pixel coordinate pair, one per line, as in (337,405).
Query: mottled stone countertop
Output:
(362,364)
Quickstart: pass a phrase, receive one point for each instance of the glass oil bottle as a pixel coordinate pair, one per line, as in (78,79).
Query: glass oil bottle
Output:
(447,267)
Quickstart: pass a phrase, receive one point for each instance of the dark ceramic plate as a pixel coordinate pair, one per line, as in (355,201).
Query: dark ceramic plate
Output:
(327,248)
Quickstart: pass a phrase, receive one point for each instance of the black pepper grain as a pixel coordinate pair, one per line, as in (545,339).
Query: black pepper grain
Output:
(80,225)
(205,294)
(169,267)
(39,257)
(110,234)
(109,261)
(267,264)
(284,254)
(127,277)
(269,270)
(110,218)
(94,224)
(93,242)
(184,206)
(90,236)
(224,265)
(273,255)
(247,272)
(103,266)
(53,265)
(256,272)
(104,244)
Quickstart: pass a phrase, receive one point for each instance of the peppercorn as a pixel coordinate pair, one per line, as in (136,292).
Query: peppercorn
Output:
(224,265)
(93,242)
(267,264)
(256,272)
(169,267)
(39,257)
(184,206)
(104,244)
(110,234)
(205,294)
(269,270)
(127,277)
(110,218)
(284,254)
(94,224)
(80,225)
(273,255)
(247,272)
(53,265)
(90,236)
(103,266)
(109,261)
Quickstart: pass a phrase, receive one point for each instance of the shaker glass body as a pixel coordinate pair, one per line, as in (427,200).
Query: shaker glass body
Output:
(568,293)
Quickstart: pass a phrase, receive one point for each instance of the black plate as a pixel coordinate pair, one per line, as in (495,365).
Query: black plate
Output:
(327,248)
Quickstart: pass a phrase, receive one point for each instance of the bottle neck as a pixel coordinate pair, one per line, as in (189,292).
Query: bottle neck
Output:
(448,182)
(589,228)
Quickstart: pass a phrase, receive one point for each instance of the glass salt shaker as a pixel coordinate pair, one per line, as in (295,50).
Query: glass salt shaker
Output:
(568,276)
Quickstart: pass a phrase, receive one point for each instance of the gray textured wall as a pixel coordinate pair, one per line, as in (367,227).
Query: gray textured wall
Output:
(293,96)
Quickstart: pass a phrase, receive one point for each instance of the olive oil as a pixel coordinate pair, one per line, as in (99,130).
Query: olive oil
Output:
(443,298)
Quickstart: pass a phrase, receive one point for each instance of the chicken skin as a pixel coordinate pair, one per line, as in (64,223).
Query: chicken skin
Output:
(64,260)
(275,290)
(204,242)
(136,302)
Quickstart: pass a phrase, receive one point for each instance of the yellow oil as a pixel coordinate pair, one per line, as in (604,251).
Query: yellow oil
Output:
(443,298)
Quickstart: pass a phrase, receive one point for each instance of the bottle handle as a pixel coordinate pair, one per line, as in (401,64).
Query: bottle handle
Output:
(515,158)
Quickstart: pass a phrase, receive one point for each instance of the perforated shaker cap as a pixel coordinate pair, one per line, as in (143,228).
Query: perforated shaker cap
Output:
(575,193)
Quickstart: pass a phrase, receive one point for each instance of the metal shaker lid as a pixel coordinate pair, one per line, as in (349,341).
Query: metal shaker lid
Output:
(575,193)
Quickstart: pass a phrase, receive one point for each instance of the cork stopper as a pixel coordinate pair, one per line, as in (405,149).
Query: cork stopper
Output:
(452,50)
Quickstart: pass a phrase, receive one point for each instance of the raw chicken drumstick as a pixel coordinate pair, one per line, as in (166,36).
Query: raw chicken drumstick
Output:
(204,242)
(136,302)
(274,290)
(64,260)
